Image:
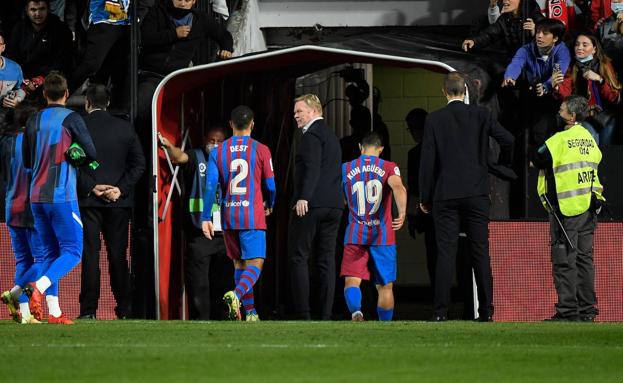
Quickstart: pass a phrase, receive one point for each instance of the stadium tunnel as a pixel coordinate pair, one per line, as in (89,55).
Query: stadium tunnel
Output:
(191,99)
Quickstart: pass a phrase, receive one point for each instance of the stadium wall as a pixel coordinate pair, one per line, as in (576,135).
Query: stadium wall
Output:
(523,286)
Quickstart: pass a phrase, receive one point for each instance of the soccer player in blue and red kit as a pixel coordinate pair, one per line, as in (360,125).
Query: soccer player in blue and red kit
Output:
(244,169)
(369,241)
(53,196)
(18,216)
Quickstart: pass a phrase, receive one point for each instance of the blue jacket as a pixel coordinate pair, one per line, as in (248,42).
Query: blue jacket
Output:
(114,12)
(537,70)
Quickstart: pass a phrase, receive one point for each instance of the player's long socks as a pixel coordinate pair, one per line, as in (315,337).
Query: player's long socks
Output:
(353,298)
(248,278)
(247,299)
(385,314)
(53,308)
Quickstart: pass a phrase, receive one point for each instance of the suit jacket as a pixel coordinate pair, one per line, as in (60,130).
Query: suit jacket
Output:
(454,162)
(318,169)
(120,157)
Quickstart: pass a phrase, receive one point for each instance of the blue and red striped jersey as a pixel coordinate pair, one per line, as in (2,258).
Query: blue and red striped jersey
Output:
(17,178)
(244,169)
(369,196)
(48,135)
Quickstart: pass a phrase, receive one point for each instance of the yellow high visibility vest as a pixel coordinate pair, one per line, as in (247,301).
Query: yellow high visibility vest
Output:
(575,158)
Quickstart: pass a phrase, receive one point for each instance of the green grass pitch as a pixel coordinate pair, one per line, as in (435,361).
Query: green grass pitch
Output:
(159,351)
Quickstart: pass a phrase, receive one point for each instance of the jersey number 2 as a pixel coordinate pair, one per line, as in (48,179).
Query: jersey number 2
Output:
(241,167)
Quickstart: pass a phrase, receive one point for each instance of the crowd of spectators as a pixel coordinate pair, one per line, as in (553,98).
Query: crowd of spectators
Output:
(556,49)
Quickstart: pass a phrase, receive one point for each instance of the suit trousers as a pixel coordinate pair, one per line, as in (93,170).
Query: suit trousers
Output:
(315,232)
(473,212)
(113,223)
(573,269)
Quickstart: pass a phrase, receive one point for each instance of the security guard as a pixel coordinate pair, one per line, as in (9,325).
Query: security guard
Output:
(571,193)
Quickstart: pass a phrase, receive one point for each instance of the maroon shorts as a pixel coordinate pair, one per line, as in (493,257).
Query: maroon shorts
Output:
(360,261)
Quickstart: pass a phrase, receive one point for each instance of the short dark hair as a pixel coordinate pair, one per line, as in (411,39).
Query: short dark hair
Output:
(454,84)
(372,139)
(578,105)
(47,2)
(98,96)
(416,119)
(241,117)
(54,85)
(553,26)
(215,128)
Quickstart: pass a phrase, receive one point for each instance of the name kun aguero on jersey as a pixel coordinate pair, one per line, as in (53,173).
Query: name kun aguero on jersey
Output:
(365,168)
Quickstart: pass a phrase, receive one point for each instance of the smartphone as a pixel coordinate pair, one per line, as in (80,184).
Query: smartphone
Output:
(557,68)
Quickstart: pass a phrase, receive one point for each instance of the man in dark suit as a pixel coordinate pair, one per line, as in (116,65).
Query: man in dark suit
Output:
(454,181)
(106,202)
(317,210)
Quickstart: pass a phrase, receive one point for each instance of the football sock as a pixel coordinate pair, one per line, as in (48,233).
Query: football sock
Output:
(247,280)
(353,298)
(16,291)
(247,299)
(53,308)
(24,309)
(385,314)
(43,283)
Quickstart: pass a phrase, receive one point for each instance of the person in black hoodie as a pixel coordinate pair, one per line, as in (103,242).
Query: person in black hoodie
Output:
(514,27)
(171,34)
(40,43)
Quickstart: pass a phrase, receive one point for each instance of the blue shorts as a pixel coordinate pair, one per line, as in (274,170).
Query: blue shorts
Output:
(360,261)
(245,244)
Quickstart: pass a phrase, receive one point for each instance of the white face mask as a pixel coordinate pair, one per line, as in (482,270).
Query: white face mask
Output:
(209,147)
(585,59)
(616,7)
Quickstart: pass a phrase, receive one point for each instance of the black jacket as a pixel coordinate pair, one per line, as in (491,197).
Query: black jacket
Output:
(40,52)
(162,52)
(318,168)
(120,157)
(508,29)
(454,162)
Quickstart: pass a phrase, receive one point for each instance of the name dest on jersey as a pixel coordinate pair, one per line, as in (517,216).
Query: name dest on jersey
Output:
(238,148)
(365,168)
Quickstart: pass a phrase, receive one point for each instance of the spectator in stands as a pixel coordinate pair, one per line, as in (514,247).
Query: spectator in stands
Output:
(603,9)
(107,49)
(206,266)
(610,32)
(591,76)
(105,199)
(493,12)
(571,193)
(536,61)
(40,43)
(11,79)
(512,28)
(171,33)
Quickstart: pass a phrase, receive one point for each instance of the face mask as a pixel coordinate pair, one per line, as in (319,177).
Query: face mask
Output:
(209,147)
(585,59)
(616,7)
